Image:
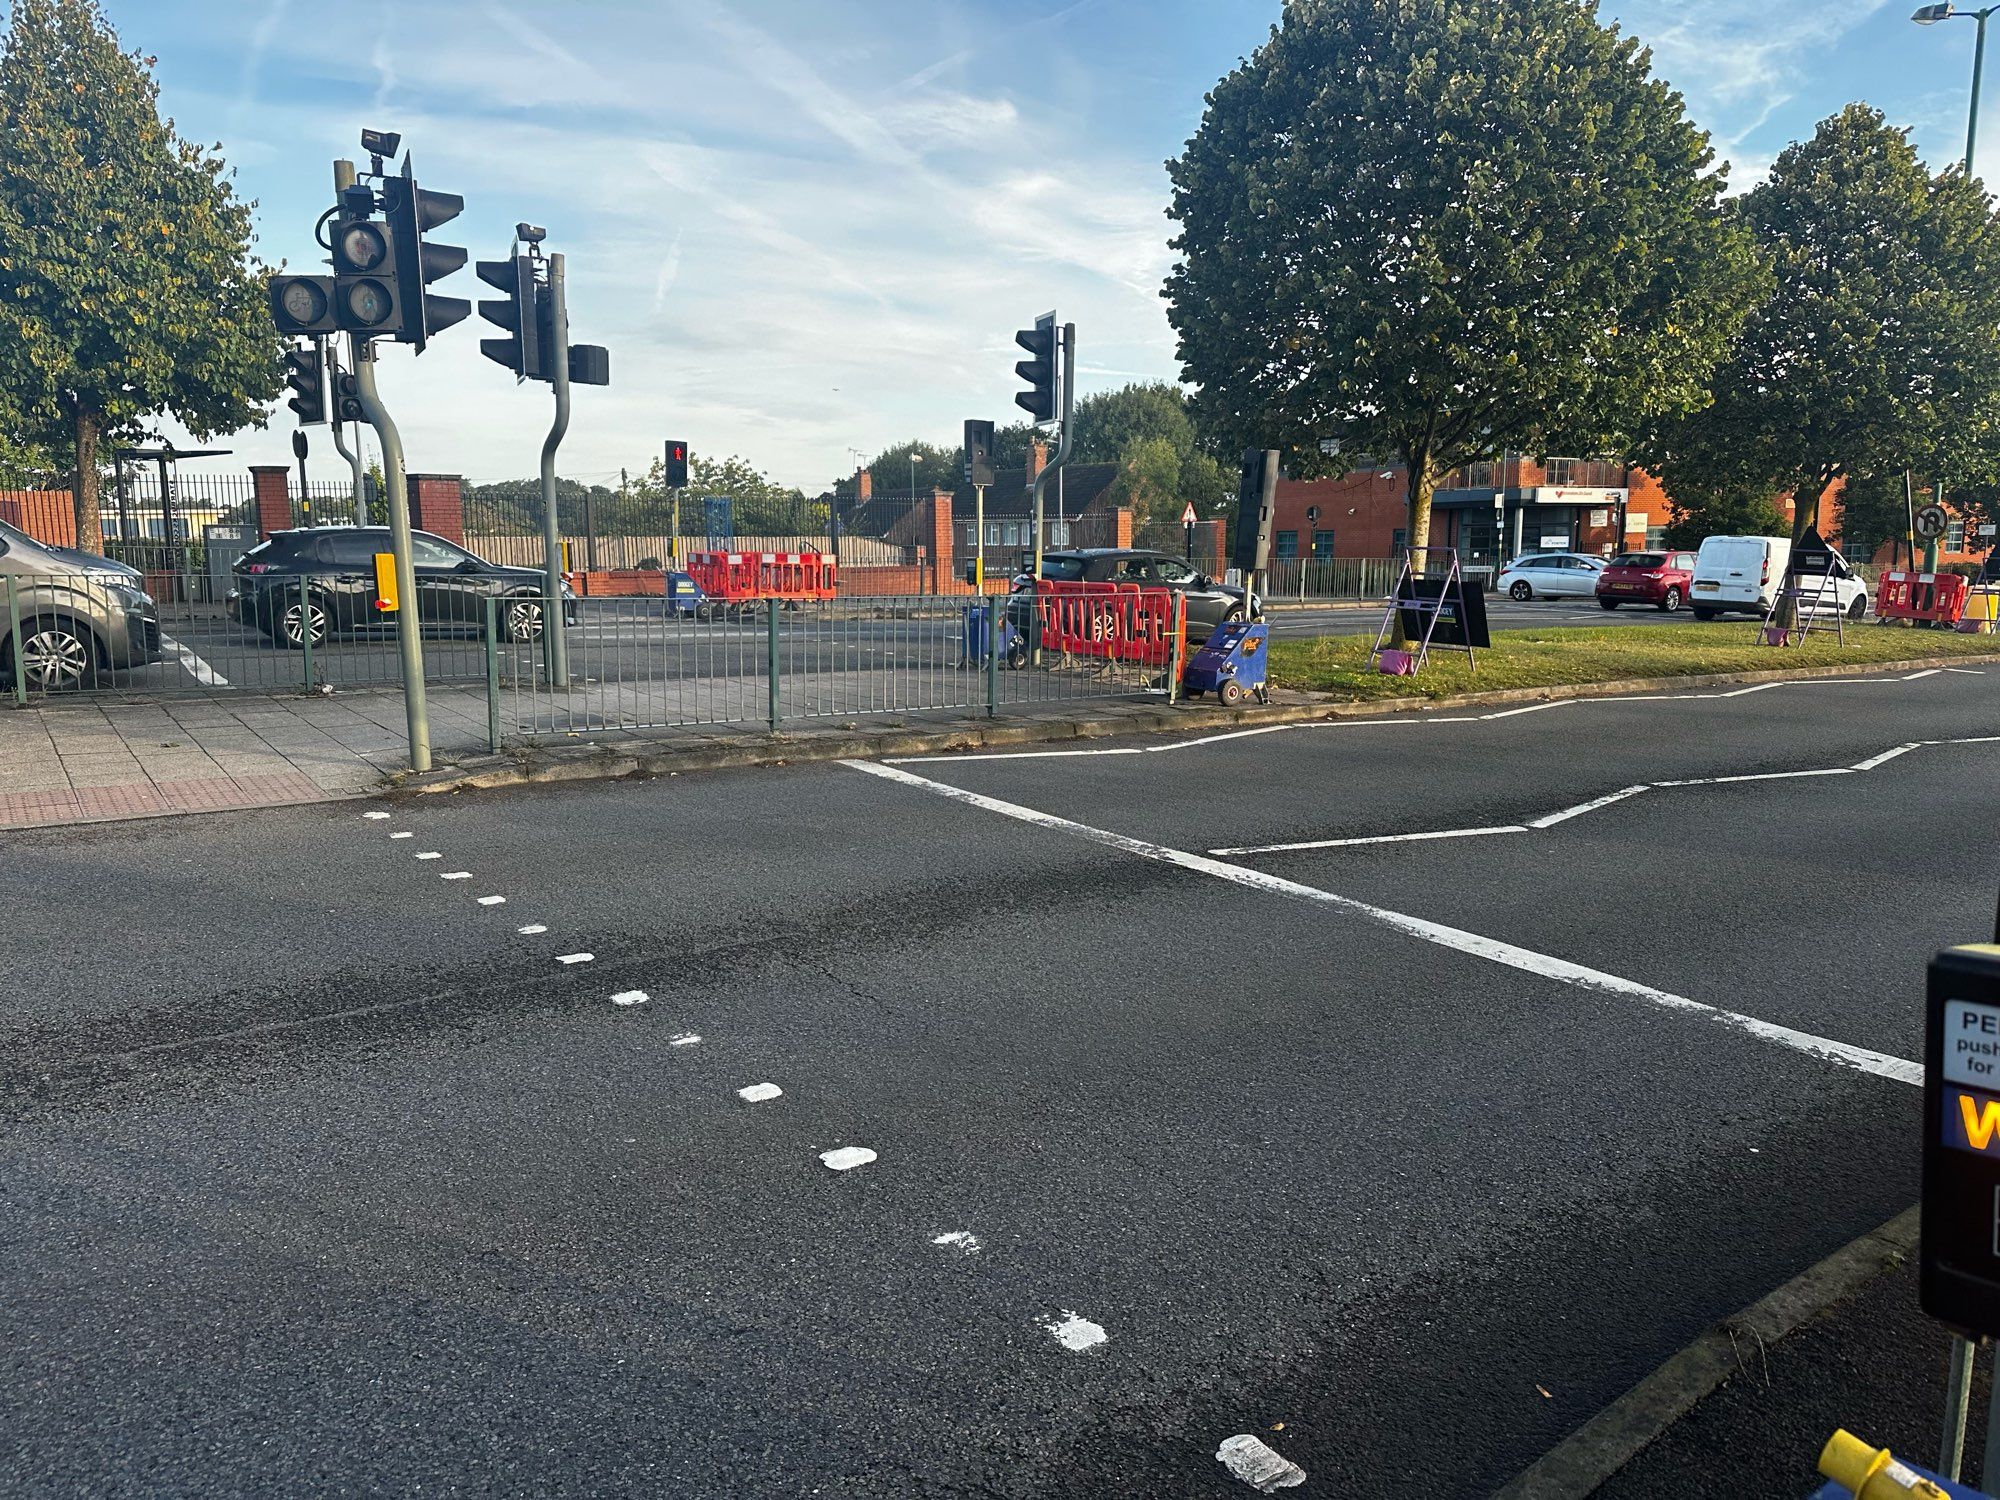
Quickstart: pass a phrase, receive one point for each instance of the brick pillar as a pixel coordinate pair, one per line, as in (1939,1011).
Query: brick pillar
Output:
(864,485)
(941,541)
(272,484)
(1038,459)
(437,505)
(1123,519)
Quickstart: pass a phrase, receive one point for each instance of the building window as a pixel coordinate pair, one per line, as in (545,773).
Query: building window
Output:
(1954,536)
(1322,544)
(971,534)
(1288,544)
(1399,540)
(1013,534)
(992,533)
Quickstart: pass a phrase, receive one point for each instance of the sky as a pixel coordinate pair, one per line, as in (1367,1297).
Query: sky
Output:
(807,229)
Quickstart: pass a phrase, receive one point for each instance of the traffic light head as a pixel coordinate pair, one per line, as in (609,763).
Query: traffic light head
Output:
(1038,369)
(677,465)
(517,312)
(412,212)
(305,375)
(303,304)
(365,298)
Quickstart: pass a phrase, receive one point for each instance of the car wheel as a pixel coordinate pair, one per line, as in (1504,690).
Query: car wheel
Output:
(1670,600)
(1231,693)
(52,657)
(1607,603)
(296,621)
(1858,610)
(524,620)
(1522,591)
(1703,614)
(1017,655)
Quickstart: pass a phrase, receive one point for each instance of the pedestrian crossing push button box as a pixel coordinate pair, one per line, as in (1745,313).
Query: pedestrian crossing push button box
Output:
(1959,1270)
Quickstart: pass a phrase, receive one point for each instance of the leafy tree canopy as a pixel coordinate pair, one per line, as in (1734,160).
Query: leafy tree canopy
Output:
(127,283)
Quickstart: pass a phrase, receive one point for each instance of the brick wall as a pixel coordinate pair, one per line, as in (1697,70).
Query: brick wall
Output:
(46,515)
(1362,510)
(937,532)
(437,505)
(273,486)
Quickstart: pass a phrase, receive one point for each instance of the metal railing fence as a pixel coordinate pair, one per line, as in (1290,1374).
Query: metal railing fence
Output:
(1296,579)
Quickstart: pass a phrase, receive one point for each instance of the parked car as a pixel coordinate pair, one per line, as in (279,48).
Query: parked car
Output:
(1208,603)
(80,615)
(1550,575)
(336,566)
(1742,575)
(1661,579)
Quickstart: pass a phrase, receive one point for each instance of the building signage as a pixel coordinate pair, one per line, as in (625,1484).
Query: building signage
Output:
(1544,494)
(1637,520)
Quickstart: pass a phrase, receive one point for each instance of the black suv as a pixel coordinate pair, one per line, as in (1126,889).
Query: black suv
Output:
(337,566)
(1208,603)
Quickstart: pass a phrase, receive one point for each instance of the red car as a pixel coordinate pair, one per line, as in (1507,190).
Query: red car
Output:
(1660,579)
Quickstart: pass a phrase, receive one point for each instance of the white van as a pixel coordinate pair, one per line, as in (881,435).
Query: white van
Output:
(1742,575)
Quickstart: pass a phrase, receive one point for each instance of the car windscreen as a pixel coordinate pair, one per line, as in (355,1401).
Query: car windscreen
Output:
(1063,569)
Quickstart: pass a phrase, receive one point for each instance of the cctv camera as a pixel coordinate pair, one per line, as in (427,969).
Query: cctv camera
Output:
(530,234)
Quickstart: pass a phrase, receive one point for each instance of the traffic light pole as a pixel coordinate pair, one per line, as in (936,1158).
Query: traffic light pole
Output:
(352,455)
(555,647)
(1042,479)
(408,642)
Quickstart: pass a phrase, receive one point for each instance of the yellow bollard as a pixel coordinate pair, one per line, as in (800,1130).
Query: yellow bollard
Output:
(1871,1474)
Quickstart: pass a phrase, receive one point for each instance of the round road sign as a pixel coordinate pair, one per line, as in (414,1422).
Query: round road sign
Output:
(1931,521)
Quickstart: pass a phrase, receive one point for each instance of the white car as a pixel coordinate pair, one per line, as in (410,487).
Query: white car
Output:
(1742,575)
(1551,575)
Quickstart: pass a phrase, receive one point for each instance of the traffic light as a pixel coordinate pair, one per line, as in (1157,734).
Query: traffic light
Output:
(589,364)
(517,312)
(305,373)
(364,275)
(978,452)
(1039,369)
(677,465)
(347,399)
(302,304)
(413,212)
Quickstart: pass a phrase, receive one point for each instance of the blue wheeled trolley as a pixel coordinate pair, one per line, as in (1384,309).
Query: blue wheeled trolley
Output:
(1236,661)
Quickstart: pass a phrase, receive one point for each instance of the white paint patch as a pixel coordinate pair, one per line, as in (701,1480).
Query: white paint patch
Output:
(1885,757)
(1587,807)
(430,854)
(456,875)
(198,669)
(1252,1460)
(757,1093)
(492,900)
(685,1039)
(1078,1335)
(846,1158)
(1492,950)
(575,958)
(404,835)
(630,997)
(531,929)
(1376,838)
(964,1241)
(374,817)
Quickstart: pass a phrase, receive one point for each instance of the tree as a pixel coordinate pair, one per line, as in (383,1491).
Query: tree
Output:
(127,284)
(1110,422)
(1730,511)
(936,468)
(1878,343)
(1445,229)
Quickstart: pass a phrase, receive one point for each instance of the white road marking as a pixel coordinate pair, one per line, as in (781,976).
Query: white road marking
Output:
(757,1093)
(962,1240)
(1532,708)
(847,1158)
(1078,1335)
(198,669)
(374,817)
(1491,949)
(1376,838)
(1587,807)
(630,997)
(575,958)
(456,875)
(1966,671)
(901,760)
(1919,676)
(404,835)
(685,1039)
(531,929)
(1216,739)
(1252,1460)
(1886,756)
(430,854)
(1759,776)
(492,900)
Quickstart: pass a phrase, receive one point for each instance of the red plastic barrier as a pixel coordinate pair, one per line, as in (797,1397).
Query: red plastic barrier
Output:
(1116,621)
(738,577)
(1920,596)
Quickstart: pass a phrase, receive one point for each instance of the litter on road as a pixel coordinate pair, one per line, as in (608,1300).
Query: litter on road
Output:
(847,1158)
(1259,1465)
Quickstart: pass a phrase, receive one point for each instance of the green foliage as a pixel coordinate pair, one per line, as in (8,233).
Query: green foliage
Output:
(1873,510)
(937,467)
(127,283)
(1879,343)
(1109,423)
(1444,229)
(28,466)
(1728,511)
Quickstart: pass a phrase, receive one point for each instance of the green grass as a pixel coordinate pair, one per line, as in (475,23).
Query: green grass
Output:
(1338,665)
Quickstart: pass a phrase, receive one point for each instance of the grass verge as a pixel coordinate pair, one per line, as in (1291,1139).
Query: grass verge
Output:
(1338,665)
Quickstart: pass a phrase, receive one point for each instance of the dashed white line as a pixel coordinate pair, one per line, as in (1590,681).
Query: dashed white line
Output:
(846,1158)
(492,900)
(456,875)
(575,958)
(430,854)
(962,1240)
(374,817)
(630,997)
(406,834)
(1490,949)
(531,929)
(685,1039)
(757,1093)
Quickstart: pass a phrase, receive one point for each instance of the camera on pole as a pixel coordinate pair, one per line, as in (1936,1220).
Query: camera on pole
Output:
(1039,370)
(305,375)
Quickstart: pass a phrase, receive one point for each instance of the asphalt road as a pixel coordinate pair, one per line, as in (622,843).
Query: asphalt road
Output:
(633,641)
(321,1176)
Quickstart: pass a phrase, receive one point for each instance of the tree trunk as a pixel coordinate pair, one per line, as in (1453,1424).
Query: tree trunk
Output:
(84,496)
(1423,484)
(1805,516)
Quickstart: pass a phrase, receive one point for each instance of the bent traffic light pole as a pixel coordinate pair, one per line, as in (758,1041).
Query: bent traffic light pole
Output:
(555,647)
(409,643)
(1042,479)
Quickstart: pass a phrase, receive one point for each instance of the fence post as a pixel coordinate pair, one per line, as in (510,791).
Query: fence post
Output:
(306,633)
(493,672)
(14,647)
(1174,653)
(993,618)
(771,656)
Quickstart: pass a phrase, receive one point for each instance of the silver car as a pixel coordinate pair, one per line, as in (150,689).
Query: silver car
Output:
(78,615)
